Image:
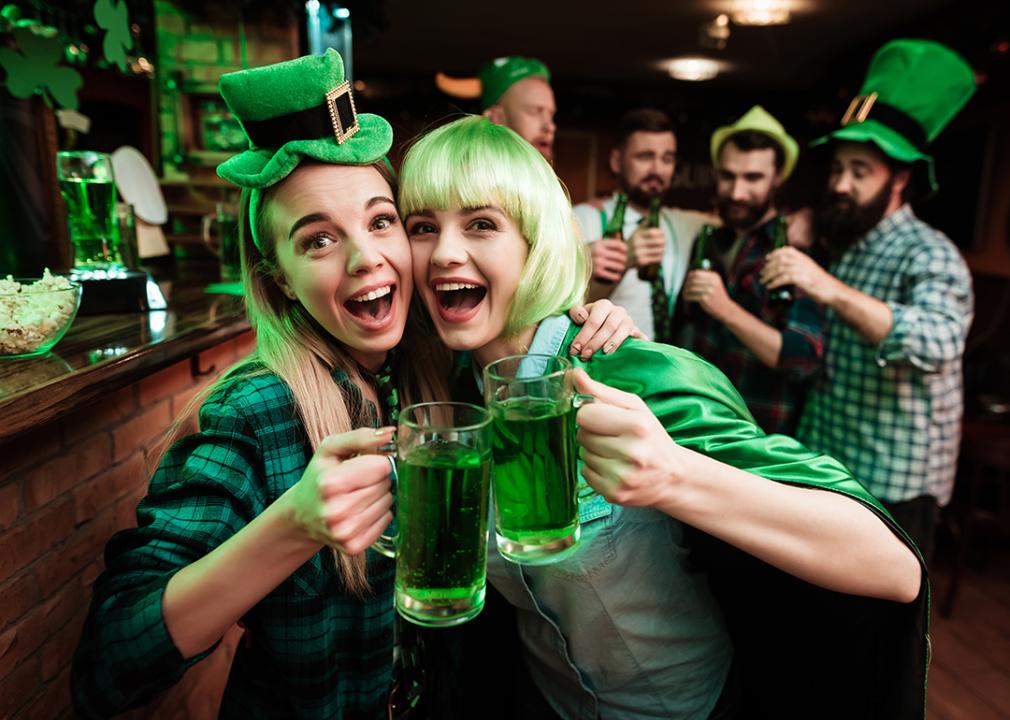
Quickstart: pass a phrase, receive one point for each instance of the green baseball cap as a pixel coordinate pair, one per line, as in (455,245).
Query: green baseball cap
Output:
(293,110)
(912,90)
(502,73)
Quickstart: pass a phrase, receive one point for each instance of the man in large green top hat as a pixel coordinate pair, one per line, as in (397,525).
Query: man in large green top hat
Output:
(516,92)
(889,400)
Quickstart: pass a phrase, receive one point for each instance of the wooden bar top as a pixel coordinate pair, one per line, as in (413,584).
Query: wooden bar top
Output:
(103,353)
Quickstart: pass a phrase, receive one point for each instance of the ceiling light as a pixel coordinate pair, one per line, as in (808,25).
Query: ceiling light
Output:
(761,12)
(693,68)
(467,88)
(715,34)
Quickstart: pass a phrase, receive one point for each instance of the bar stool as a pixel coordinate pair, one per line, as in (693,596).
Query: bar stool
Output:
(986,507)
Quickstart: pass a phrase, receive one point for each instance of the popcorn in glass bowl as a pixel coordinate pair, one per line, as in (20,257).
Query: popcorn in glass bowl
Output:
(35,313)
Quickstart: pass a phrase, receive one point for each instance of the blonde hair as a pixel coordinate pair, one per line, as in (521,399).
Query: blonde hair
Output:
(470,163)
(290,344)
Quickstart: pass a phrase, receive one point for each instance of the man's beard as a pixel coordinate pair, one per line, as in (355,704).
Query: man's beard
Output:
(841,221)
(752,212)
(640,196)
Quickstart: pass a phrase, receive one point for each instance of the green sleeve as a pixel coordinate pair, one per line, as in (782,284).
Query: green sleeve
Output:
(702,411)
(778,631)
(199,496)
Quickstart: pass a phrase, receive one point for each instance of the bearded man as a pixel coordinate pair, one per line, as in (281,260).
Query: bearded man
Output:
(766,344)
(643,161)
(889,401)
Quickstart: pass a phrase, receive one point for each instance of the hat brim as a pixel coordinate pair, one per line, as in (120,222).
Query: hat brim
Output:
(790,148)
(891,143)
(260,168)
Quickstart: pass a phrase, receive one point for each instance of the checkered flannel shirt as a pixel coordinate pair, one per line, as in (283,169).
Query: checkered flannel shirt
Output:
(773,395)
(312,649)
(892,412)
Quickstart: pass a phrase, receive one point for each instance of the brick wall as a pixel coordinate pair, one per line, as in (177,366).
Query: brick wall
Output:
(65,487)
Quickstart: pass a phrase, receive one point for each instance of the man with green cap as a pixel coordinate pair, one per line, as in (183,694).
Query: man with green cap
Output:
(767,344)
(516,92)
(889,401)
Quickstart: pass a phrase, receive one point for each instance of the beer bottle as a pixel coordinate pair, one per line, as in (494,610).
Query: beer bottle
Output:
(615,227)
(690,312)
(651,271)
(781,295)
(700,261)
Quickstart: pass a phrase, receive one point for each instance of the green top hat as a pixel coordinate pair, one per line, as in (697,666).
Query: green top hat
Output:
(757,119)
(502,73)
(913,89)
(293,110)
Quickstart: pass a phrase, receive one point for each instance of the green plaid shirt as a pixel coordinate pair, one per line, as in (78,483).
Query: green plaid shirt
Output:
(892,412)
(312,650)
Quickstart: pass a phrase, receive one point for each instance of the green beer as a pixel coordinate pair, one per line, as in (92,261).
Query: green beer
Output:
(535,478)
(441,545)
(91,220)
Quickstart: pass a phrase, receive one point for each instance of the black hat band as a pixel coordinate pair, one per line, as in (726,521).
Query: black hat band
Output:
(336,117)
(866,107)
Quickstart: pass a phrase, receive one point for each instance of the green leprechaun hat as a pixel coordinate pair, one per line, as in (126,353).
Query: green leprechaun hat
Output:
(912,90)
(293,110)
(502,73)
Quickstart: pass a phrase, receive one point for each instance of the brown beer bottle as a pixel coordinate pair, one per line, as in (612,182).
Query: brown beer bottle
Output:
(651,271)
(781,295)
(615,227)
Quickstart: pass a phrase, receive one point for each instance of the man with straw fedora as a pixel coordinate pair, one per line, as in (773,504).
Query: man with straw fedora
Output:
(768,344)
(888,402)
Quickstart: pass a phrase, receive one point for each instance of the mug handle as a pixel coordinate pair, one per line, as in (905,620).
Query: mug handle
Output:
(386,544)
(583,491)
(206,222)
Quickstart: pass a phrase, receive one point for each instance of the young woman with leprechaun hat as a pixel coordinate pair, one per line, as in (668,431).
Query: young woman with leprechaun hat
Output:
(627,628)
(264,516)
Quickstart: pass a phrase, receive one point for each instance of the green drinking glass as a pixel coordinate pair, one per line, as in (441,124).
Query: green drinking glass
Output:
(443,471)
(88,188)
(536,483)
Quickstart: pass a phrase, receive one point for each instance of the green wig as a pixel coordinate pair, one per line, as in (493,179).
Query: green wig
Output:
(471,162)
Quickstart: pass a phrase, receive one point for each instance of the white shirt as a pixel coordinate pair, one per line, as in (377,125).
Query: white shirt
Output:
(634,295)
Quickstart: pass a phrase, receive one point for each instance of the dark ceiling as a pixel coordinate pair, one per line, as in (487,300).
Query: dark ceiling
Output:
(627,41)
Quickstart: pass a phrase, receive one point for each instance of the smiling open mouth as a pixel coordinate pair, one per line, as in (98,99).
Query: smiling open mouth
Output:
(373,305)
(459,297)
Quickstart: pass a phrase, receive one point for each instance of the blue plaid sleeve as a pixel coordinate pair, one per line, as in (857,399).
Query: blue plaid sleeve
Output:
(930,325)
(802,338)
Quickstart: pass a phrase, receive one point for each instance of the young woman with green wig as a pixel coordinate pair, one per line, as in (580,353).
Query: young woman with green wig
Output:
(264,516)
(628,627)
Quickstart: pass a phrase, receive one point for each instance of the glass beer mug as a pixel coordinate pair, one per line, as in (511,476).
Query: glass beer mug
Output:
(88,188)
(219,230)
(443,469)
(536,485)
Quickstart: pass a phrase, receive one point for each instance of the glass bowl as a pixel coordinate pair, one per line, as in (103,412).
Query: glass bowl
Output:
(35,313)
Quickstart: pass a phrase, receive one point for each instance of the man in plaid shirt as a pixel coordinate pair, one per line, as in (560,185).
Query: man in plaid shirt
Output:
(767,349)
(889,401)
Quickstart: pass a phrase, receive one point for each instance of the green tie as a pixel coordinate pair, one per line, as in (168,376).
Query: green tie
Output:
(660,310)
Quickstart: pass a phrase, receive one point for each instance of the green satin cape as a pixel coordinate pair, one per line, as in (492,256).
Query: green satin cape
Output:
(801,650)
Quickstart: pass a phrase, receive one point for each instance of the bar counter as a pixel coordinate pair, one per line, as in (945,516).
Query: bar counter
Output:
(102,353)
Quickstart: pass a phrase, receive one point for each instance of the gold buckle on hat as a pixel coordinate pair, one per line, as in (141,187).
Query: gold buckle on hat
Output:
(859,108)
(343,115)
